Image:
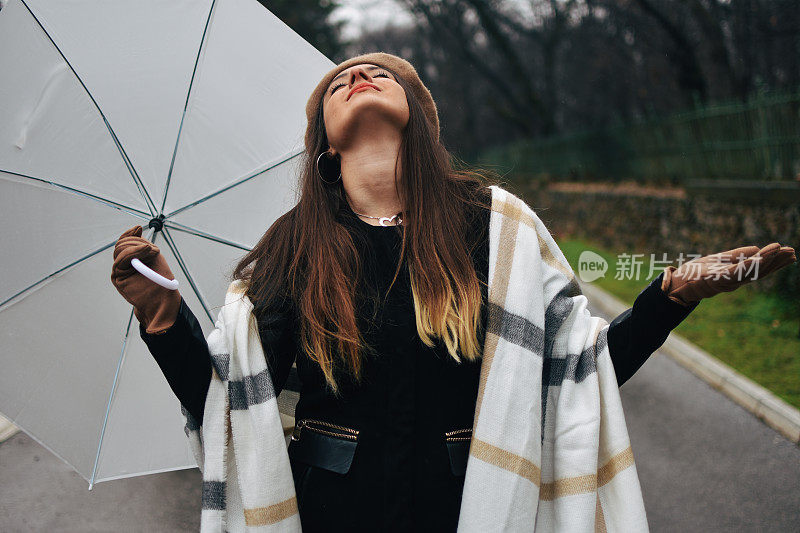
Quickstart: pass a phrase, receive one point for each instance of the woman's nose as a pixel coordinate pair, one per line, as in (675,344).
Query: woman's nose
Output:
(359,75)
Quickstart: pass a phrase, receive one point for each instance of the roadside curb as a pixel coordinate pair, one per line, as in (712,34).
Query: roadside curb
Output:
(775,412)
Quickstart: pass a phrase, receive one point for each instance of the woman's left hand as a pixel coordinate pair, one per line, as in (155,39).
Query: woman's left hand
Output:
(723,272)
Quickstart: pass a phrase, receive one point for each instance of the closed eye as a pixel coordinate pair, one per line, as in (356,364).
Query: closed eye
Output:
(333,89)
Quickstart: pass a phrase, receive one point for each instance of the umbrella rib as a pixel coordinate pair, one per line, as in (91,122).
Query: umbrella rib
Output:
(237,182)
(142,190)
(111,397)
(109,203)
(182,264)
(87,256)
(185,106)
(204,235)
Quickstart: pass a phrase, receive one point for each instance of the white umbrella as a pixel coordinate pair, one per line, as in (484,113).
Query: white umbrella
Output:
(115,113)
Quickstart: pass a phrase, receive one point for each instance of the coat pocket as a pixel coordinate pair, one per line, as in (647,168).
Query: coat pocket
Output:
(457,442)
(323,445)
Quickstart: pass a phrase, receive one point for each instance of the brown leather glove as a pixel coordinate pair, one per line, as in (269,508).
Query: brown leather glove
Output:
(155,307)
(694,280)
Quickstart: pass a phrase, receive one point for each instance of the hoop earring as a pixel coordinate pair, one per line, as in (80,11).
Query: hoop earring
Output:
(320,173)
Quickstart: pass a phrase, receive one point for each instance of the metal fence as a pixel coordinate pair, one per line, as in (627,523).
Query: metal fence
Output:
(754,140)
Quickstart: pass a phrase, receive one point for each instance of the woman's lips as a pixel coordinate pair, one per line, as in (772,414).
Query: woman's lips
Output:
(361,88)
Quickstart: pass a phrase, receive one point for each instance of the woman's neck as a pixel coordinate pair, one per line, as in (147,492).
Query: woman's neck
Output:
(369,178)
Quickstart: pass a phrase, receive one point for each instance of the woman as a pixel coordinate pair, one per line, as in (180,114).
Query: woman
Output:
(374,284)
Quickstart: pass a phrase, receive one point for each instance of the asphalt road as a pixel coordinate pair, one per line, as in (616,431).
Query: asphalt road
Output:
(38,492)
(704,463)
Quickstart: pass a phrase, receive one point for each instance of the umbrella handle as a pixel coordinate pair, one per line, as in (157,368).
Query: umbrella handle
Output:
(154,276)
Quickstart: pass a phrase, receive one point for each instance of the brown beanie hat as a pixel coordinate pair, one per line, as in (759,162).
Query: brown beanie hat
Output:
(403,68)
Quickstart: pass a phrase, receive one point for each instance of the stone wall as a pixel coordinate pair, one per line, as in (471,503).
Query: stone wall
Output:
(630,218)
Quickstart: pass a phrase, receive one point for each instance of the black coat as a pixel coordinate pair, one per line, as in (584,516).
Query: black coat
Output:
(404,468)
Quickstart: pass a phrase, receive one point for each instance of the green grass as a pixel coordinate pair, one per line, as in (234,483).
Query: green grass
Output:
(753,332)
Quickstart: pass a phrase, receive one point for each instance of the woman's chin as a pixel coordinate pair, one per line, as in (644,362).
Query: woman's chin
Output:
(370,122)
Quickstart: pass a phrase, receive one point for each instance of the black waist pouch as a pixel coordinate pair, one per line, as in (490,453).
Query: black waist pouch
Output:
(323,445)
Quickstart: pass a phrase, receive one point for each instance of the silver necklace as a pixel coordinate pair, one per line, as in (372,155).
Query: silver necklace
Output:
(384,219)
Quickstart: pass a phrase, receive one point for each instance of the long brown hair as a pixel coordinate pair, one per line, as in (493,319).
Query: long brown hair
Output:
(309,257)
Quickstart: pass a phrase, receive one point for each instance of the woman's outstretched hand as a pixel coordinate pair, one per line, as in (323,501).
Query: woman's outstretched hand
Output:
(723,272)
(155,307)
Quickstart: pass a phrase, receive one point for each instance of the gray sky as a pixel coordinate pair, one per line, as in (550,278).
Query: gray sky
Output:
(368,14)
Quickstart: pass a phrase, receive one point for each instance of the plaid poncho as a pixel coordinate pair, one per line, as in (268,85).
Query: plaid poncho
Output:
(549,451)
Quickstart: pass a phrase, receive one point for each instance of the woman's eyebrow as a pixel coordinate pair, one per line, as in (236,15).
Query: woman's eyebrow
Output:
(345,74)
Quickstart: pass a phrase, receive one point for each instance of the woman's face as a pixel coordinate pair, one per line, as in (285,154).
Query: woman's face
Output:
(362,102)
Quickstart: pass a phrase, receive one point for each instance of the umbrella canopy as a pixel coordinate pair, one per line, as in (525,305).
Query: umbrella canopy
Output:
(116,113)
